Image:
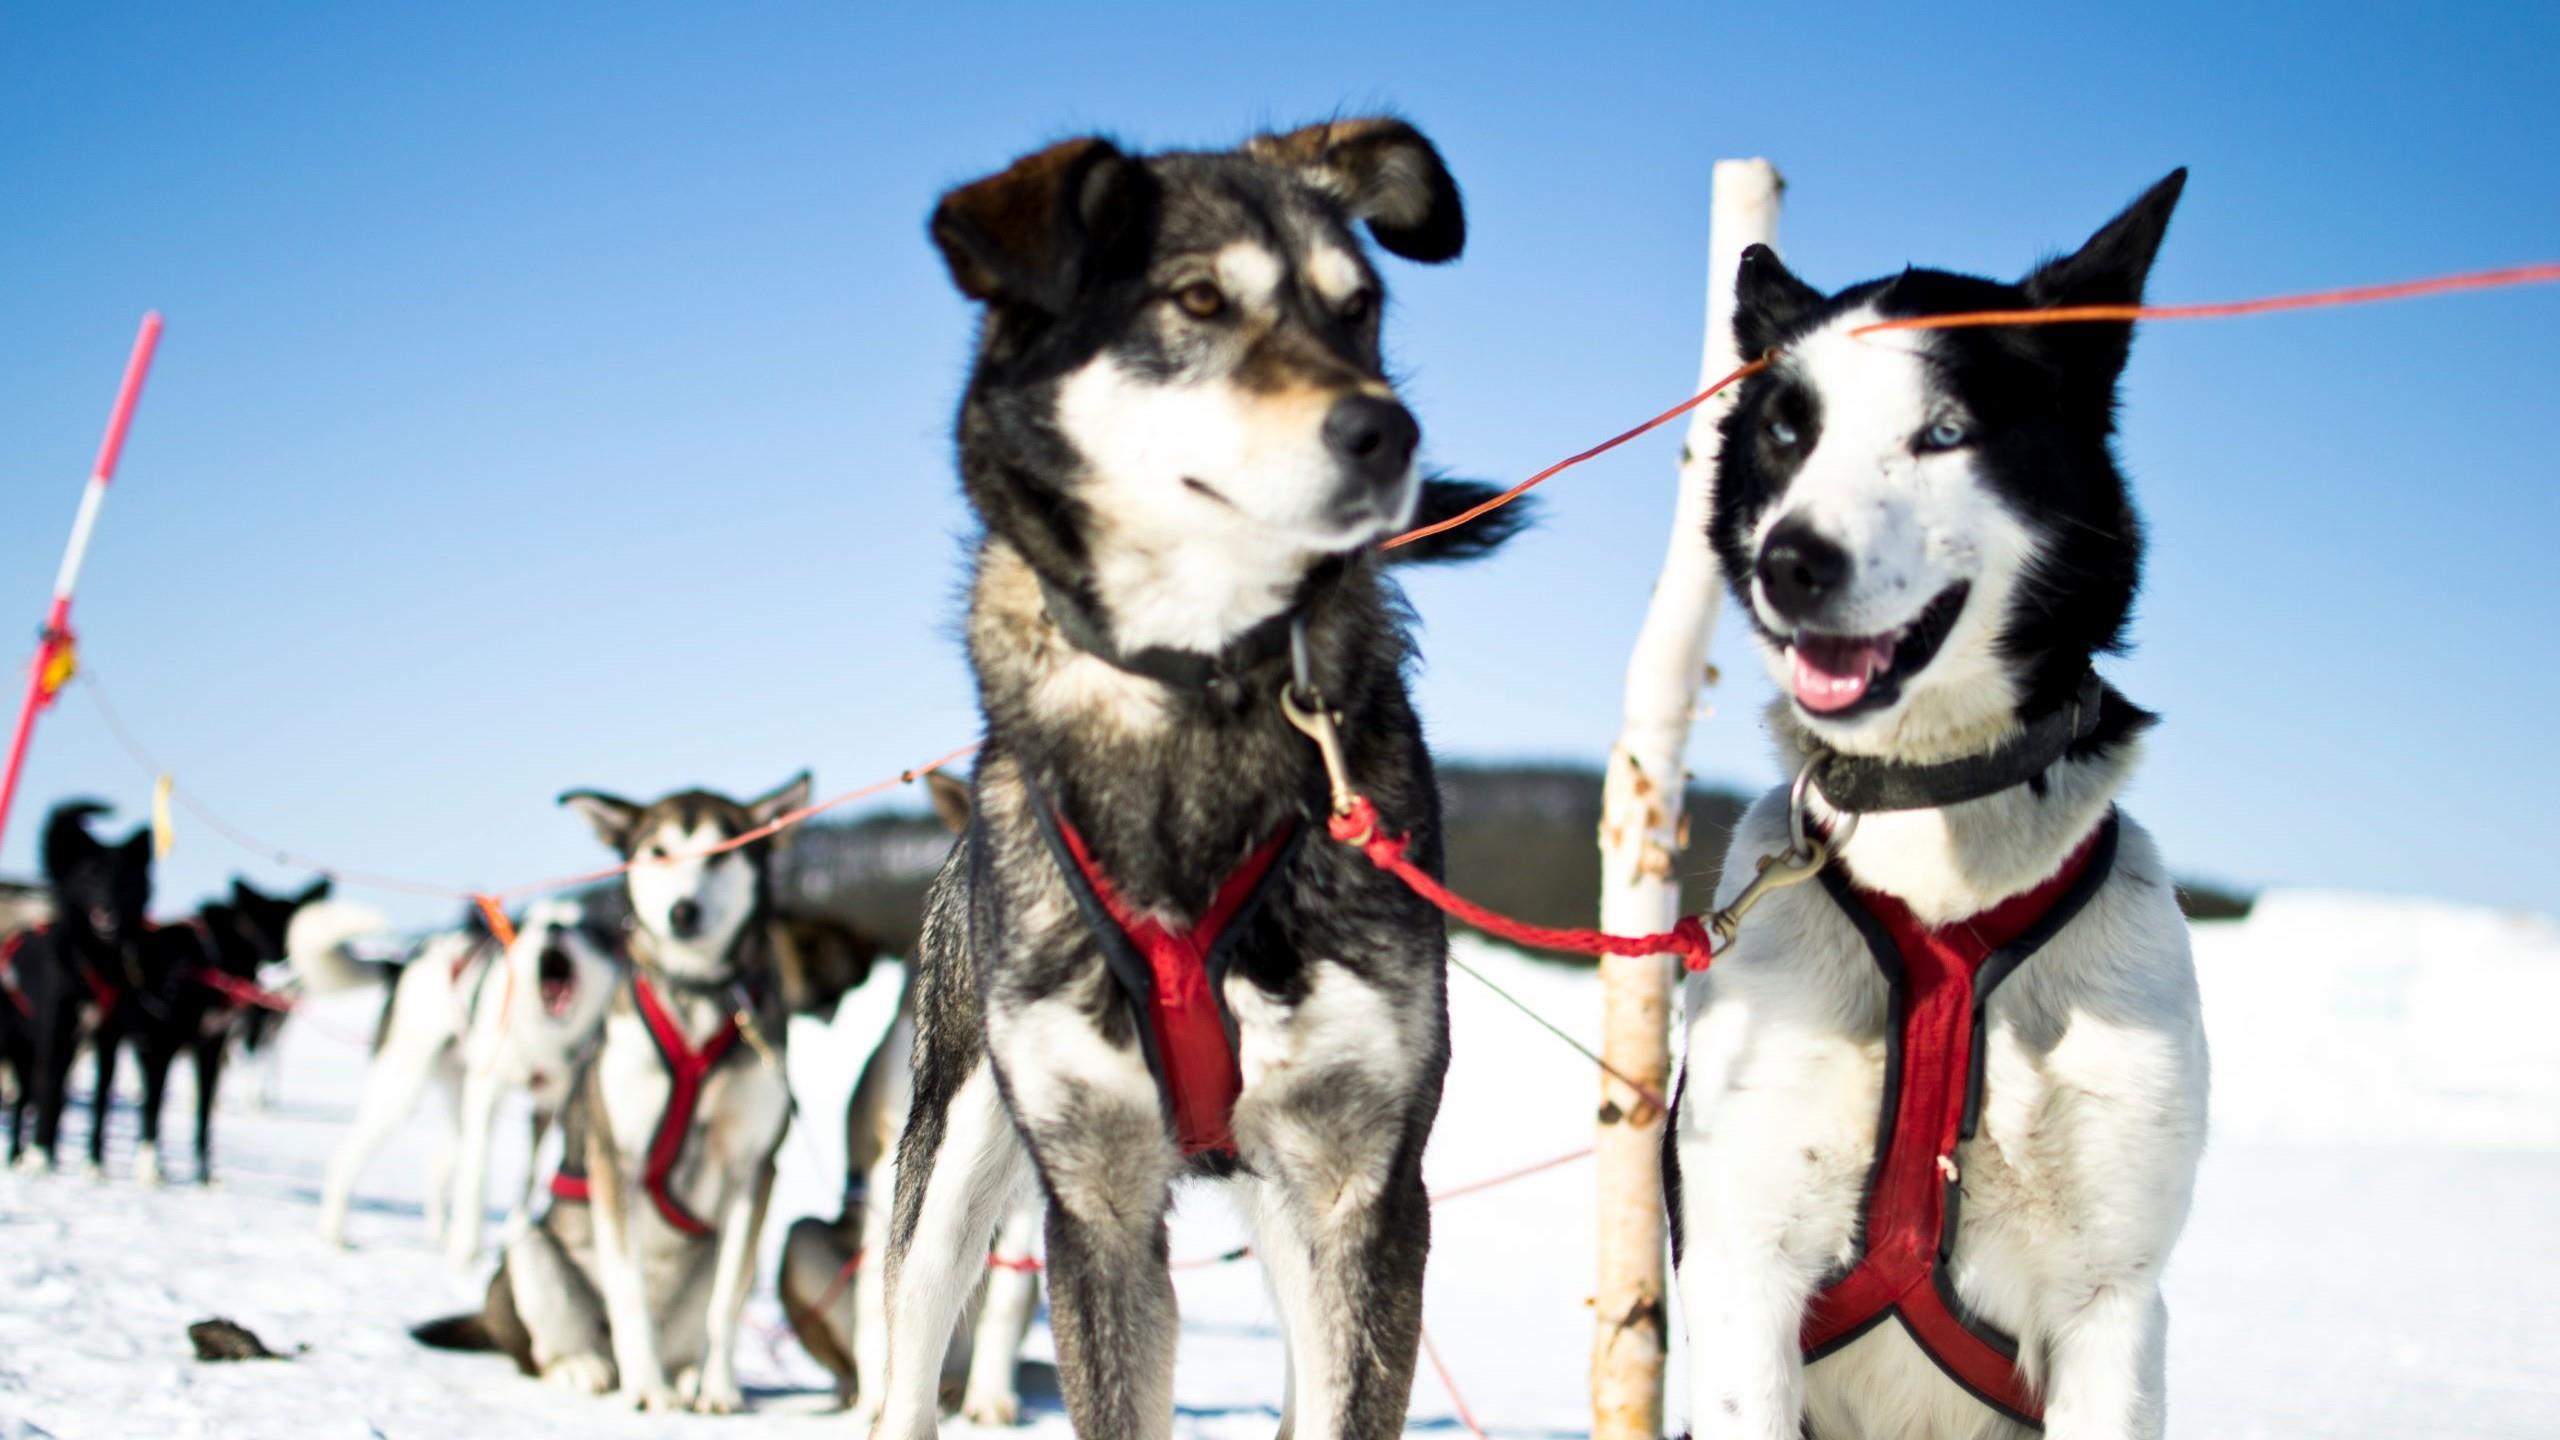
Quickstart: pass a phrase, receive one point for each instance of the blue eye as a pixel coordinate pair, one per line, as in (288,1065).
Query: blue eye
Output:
(1781,433)
(1945,435)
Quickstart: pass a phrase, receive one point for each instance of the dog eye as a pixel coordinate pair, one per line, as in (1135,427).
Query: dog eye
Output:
(1201,300)
(1357,306)
(1945,435)
(1782,434)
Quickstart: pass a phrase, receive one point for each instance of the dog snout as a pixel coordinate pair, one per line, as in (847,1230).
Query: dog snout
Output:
(1372,439)
(1800,570)
(684,919)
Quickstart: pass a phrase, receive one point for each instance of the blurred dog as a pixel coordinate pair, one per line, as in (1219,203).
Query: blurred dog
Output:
(638,1271)
(201,976)
(1959,1085)
(476,1021)
(81,978)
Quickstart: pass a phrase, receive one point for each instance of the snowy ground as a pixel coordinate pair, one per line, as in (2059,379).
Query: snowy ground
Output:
(2373,1250)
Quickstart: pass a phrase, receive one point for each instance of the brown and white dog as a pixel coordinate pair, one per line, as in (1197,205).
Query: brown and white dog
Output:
(637,1274)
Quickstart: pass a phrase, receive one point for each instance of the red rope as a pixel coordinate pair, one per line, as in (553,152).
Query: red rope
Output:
(1689,939)
(234,988)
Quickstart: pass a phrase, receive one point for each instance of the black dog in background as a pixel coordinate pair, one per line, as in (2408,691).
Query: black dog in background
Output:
(81,976)
(200,977)
(99,973)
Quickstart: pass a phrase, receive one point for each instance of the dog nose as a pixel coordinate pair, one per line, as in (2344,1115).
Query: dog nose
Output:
(685,918)
(1800,570)
(1373,438)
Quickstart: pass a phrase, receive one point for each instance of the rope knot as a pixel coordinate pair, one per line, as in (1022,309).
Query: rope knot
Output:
(1694,942)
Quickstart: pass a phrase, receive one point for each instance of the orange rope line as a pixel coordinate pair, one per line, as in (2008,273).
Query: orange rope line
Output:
(1604,447)
(1449,1383)
(2220,310)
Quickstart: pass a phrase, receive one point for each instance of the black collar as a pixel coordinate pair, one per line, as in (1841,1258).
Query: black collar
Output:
(1865,785)
(1225,677)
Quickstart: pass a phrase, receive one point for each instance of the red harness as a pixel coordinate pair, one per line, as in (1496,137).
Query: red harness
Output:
(687,1069)
(1941,981)
(1171,979)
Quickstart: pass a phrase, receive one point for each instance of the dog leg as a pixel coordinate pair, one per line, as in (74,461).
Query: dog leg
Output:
(563,1318)
(103,1098)
(157,1056)
(522,1215)
(1742,1291)
(392,1089)
(470,1191)
(1094,1119)
(1339,1090)
(871,1309)
(741,1222)
(210,1052)
(636,1355)
(958,1160)
(2109,1375)
(1013,1293)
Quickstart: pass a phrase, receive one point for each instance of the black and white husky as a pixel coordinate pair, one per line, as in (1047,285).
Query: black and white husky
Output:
(1939,1121)
(1144,959)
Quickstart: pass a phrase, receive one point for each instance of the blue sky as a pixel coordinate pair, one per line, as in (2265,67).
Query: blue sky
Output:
(559,395)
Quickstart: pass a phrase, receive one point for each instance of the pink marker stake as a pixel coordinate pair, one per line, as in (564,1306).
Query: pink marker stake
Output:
(53,645)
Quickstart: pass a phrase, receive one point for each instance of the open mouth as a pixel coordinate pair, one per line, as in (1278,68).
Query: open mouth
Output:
(1834,675)
(558,981)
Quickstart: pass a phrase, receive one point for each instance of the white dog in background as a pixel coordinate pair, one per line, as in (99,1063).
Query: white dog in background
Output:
(477,1022)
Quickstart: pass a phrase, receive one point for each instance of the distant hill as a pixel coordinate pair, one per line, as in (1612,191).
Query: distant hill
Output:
(1521,838)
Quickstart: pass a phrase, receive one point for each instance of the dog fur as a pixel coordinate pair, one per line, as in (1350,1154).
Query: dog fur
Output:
(1179,421)
(1931,538)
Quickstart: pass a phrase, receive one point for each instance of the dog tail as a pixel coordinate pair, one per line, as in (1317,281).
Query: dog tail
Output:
(1446,499)
(318,940)
(456,1332)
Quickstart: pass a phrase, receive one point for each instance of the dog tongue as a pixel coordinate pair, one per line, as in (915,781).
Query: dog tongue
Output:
(1833,671)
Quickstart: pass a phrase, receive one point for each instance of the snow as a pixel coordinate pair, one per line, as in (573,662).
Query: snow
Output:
(2371,1254)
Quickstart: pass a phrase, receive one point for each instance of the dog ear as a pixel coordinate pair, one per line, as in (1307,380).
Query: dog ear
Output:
(315,892)
(138,844)
(1384,172)
(2109,270)
(1768,301)
(610,816)
(950,799)
(790,795)
(1035,232)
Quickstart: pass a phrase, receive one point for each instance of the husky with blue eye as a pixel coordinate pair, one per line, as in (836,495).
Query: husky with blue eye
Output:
(1938,1124)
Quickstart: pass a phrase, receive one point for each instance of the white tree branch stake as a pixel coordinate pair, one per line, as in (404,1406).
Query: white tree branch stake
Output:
(1642,832)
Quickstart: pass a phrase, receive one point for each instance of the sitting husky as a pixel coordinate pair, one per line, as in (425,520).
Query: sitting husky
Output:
(1939,1121)
(1145,961)
(479,1022)
(638,1271)
(832,1274)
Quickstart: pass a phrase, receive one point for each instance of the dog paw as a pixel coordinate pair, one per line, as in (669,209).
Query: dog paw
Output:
(719,1397)
(993,1408)
(146,1166)
(586,1374)
(658,1399)
(34,1162)
(94,1171)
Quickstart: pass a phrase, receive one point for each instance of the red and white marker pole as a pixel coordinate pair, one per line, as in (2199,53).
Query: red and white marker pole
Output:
(55,659)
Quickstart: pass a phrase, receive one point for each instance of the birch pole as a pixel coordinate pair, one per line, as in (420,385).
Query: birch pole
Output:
(1642,832)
